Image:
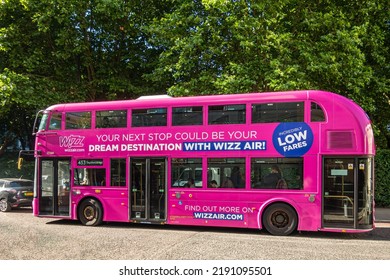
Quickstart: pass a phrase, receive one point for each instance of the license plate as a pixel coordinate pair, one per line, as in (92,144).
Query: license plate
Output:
(28,194)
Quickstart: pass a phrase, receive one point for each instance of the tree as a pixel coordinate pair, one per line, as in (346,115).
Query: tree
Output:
(67,51)
(89,50)
(221,46)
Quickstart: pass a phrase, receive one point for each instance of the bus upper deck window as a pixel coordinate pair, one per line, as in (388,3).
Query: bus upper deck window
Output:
(78,120)
(278,112)
(149,117)
(187,115)
(55,121)
(111,119)
(227,114)
(317,114)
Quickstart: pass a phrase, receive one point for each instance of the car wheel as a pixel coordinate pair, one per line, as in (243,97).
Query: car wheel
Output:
(5,206)
(90,212)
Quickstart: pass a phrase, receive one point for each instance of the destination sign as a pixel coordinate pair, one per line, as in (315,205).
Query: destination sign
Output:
(90,162)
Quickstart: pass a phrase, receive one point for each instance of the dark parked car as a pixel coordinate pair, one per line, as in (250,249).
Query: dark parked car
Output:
(15,193)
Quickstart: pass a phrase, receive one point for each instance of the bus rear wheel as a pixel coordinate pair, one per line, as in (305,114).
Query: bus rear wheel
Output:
(280,219)
(90,212)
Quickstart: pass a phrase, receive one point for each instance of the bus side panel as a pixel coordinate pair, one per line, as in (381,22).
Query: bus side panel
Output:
(114,202)
(238,209)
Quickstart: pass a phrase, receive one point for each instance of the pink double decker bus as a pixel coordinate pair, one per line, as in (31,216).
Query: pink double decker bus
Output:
(283,161)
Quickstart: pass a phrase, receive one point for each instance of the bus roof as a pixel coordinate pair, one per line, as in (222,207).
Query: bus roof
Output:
(158,101)
(166,100)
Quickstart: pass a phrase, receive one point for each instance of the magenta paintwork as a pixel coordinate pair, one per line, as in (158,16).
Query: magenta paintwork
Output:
(243,208)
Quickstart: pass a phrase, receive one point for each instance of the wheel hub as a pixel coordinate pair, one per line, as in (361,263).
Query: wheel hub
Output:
(89,213)
(280,219)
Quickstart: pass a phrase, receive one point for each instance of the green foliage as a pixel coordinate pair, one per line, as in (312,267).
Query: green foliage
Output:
(65,51)
(225,46)
(77,50)
(8,167)
(382,178)
(220,46)
(68,51)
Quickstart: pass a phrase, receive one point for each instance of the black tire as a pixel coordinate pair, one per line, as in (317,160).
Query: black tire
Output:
(90,212)
(5,206)
(280,219)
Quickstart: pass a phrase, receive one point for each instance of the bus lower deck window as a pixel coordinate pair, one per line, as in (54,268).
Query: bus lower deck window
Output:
(226,172)
(187,173)
(90,177)
(118,172)
(276,173)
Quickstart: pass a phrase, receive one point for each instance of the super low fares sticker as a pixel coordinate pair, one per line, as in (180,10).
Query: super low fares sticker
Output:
(292,139)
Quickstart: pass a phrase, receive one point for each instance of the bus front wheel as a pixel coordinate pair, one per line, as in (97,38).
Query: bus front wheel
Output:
(90,212)
(280,219)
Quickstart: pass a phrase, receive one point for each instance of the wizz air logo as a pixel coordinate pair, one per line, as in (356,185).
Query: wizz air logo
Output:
(72,141)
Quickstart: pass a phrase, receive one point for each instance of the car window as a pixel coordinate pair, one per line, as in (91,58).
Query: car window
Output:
(20,184)
(1,184)
(14,185)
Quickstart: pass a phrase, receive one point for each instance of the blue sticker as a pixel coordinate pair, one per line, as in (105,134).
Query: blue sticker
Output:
(293,139)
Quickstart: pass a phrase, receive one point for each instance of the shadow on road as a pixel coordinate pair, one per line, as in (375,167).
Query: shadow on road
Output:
(20,210)
(380,233)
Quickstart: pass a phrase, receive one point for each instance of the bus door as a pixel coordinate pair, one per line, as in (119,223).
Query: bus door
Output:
(148,189)
(54,186)
(348,193)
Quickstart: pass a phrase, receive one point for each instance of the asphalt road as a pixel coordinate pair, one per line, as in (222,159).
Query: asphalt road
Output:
(25,237)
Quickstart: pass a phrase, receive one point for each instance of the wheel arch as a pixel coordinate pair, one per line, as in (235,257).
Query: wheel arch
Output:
(271,202)
(77,210)
(5,194)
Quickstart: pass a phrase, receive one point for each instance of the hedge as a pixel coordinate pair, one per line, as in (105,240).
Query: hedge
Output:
(382,178)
